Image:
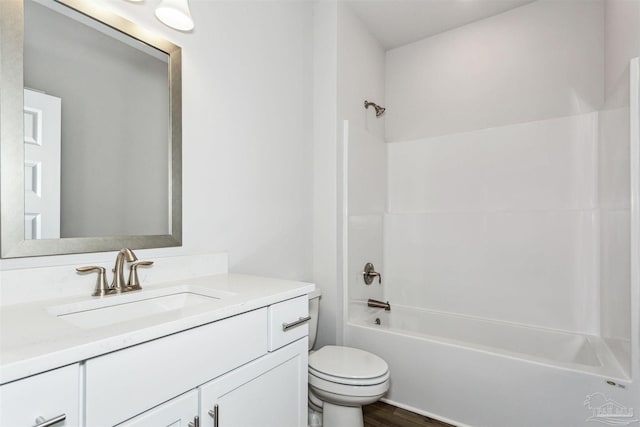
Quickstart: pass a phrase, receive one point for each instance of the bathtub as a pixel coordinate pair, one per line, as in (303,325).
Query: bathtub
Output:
(472,371)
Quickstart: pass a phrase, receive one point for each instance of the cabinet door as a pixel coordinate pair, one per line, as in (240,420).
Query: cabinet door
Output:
(268,392)
(48,396)
(178,412)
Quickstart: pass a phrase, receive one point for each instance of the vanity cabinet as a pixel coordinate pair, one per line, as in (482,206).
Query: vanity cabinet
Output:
(44,397)
(142,376)
(249,369)
(268,392)
(178,412)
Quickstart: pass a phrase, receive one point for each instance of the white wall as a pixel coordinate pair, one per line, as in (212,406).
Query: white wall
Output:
(361,74)
(538,61)
(536,209)
(614,190)
(622,42)
(325,169)
(348,68)
(247,139)
(248,156)
(493,196)
(498,223)
(361,61)
(367,197)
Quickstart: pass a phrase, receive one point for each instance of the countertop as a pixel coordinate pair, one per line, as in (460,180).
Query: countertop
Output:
(34,339)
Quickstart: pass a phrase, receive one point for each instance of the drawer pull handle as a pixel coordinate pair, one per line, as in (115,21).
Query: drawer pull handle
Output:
(195,423)
(213,413)
(41,422)
(300,321)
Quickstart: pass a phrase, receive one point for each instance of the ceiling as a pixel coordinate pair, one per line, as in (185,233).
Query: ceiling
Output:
(398,22)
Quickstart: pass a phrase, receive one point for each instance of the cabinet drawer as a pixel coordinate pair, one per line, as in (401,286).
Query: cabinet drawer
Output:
(46,395)
(125,383)
(286,321)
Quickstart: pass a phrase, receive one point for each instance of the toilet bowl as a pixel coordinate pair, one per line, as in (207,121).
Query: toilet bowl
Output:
(344,379)
(341,380)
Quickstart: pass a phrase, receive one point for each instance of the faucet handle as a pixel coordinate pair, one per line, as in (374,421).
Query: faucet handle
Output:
(134,282)
(369,273)
(102,287)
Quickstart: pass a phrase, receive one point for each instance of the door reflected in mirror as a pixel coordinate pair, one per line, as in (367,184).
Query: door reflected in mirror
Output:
(41,165)
(96,129)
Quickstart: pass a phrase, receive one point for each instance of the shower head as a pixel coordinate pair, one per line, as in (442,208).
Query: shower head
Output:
(379,109)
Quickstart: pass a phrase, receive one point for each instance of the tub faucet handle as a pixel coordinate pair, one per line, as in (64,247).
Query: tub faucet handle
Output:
(369,273)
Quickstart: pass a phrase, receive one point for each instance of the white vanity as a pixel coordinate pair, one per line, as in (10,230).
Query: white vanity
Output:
(223,350)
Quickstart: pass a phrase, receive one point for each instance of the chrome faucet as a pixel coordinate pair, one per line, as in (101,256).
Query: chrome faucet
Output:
(379,304)
(119,284)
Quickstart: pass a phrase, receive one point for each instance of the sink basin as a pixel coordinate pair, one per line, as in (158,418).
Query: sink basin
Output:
(126,307)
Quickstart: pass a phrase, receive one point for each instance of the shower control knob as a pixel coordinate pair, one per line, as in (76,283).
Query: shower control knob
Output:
(370,273)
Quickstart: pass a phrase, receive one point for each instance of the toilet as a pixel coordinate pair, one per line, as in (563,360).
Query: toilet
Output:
(341,379)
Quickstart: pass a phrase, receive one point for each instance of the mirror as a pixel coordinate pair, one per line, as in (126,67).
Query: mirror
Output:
(90,126)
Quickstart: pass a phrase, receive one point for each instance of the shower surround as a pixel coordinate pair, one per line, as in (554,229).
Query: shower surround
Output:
(503,226)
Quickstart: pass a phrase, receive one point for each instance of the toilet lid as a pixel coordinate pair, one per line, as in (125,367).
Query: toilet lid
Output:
(347,362)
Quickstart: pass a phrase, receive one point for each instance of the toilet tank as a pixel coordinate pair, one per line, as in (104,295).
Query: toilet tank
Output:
(314,310)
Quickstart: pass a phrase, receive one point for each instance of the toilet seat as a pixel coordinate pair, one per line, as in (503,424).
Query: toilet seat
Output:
(328,390)
(348,366)
(349,381)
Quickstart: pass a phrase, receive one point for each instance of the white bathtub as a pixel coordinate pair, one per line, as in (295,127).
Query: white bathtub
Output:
(471,371)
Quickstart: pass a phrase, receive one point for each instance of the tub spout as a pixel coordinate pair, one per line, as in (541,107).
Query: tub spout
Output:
(379,304)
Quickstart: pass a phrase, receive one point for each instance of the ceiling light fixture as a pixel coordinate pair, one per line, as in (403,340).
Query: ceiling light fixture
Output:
(175,14)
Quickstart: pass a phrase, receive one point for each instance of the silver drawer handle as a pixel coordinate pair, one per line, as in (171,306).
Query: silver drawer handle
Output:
(41,422)
(300,321)
(215,414)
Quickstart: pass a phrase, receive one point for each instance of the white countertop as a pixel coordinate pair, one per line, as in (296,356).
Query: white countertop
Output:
(33,339)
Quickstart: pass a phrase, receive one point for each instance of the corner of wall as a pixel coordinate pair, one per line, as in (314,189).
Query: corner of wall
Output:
(325,169)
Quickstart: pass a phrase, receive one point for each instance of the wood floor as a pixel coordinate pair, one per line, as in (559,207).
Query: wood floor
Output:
(382,415)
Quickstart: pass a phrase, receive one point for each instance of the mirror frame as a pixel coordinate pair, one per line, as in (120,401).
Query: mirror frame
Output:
(12,242)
